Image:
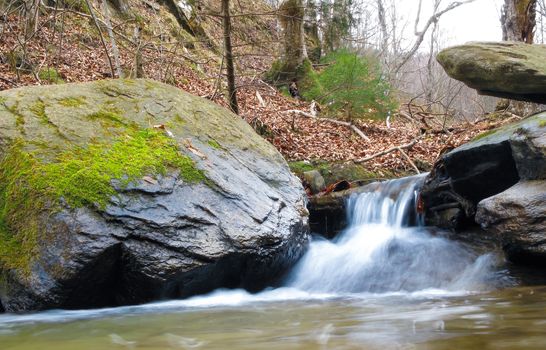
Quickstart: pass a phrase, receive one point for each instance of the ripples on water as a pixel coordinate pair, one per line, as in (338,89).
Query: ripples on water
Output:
(379,285)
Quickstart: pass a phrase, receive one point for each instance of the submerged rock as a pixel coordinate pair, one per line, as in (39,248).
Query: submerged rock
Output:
(513,70)
(126,191)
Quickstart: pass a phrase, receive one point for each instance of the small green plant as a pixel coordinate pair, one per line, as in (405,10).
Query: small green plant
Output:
(351,85)
(51,75)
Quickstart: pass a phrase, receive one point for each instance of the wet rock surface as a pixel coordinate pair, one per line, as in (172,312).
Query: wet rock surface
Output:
(160,236)
(518,217)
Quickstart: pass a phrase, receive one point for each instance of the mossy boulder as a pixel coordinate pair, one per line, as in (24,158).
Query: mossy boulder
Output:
(512,70)
(125,191)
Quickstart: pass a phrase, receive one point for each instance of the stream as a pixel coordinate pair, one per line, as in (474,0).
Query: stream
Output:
(386,282)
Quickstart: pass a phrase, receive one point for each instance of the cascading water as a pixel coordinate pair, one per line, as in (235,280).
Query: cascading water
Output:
(380,253)
(382,283)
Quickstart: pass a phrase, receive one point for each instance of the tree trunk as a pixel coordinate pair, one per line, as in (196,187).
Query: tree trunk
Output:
(228,53)
(383,26)
(291,14)
(518,20)
(314,50)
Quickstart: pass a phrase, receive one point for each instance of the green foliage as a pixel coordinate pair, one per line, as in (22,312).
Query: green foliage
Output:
(77,5)
(338,20)
(50,75)
(31,188)
(350,84)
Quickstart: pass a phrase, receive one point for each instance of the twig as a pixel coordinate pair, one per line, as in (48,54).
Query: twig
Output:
(334,121)
(405,155)
(387,151)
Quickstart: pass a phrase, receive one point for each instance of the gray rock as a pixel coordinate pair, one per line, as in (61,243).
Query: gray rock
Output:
(518,216)
(315,181)
(484,167)
(528,144)
(161,236)
(513,70)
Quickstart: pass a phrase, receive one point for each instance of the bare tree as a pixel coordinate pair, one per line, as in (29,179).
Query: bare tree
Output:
(291,13)
(228,54)
(518,20)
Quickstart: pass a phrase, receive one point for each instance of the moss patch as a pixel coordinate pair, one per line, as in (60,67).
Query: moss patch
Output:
(31,188)
(107,118)
(336,171)
(214,144)
(484,134)
(72,101)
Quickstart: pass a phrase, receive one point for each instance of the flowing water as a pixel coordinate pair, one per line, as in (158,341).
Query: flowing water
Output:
(382,284)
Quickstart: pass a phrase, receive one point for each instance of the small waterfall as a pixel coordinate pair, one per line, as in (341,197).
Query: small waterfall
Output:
(381,253)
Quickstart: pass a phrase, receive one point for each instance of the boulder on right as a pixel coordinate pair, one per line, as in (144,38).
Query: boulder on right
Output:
(497,181)
(518,217)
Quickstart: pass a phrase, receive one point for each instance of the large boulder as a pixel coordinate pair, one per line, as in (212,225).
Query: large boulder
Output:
(491,163)
(513,70)
(518,217)
(125,191)
(497,181)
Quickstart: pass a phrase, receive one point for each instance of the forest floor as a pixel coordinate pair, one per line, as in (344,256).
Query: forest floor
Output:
(70,51)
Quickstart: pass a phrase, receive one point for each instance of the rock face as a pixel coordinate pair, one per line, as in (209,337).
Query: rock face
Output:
(499,182)
(504,69)
(198,202)
(314,180)
(518,216)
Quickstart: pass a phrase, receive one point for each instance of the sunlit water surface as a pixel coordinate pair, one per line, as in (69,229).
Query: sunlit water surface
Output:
(379,285)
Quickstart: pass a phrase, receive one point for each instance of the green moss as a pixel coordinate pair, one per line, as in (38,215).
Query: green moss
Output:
(337,171)
(32,188)
(38,109)
(214,144)
(107,118)
(50,75)
(19,118)
(179,120)
(72,101)
(484,134)
(542,124)
(299,167)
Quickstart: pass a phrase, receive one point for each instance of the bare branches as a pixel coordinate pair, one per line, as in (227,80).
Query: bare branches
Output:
(334,121)
(421,34)
(399,148)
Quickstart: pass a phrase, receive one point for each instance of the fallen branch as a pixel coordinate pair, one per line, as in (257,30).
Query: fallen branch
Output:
(334,121)
(405,155)
(392,149)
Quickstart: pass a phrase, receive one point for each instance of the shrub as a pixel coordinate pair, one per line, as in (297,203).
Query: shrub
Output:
(51,75)
(351,85)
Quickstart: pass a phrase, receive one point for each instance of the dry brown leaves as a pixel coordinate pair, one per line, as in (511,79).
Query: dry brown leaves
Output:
(78,56)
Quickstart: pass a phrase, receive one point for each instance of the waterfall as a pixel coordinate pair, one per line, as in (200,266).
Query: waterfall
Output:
(380,252)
